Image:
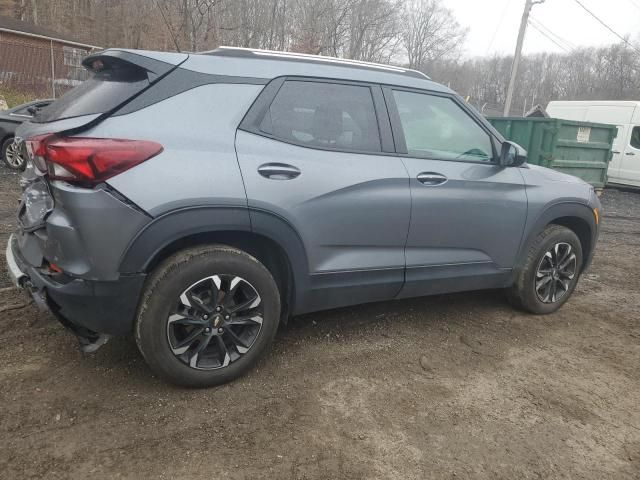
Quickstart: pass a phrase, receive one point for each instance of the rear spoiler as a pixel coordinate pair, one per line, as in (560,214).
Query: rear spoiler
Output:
(156,64)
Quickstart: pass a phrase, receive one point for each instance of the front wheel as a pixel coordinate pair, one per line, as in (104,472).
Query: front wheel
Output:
(12,156)
(207,315)
(550,271)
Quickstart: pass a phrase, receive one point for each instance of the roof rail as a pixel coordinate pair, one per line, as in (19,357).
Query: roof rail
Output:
(274,54)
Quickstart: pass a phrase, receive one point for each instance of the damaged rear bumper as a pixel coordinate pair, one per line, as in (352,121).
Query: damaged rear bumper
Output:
(93,310)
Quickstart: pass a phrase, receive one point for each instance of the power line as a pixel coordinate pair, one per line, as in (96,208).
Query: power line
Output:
(564,41)
(549,37)
(605,25)
(495,32)
(633,2)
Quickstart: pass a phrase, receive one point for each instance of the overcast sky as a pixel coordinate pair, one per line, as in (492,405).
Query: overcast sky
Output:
(493,24)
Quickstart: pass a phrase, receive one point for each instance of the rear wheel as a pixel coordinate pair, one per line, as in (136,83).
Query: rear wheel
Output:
(550,271)
(207,315)
(12,156)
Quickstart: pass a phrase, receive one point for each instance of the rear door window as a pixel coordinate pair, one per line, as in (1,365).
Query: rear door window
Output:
(101,93)
(324,115)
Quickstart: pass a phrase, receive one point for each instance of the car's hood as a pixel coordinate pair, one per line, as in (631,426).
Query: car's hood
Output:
(553,175)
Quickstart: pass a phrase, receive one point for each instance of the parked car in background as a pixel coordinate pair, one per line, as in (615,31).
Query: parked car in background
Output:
(624,168)
(282,184)
(10,153)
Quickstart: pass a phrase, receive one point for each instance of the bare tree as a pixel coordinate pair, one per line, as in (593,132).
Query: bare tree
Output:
(374,29)
(320,26)
(422,34)
(430,32)
(607,73)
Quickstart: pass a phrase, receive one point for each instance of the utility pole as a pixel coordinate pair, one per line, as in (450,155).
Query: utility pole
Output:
(516,57)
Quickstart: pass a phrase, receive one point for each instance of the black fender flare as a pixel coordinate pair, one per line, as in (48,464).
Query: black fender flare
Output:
(181,223)
(4,136)
(549,215)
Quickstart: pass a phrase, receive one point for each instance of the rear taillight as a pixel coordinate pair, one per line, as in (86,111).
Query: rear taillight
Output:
(87,161)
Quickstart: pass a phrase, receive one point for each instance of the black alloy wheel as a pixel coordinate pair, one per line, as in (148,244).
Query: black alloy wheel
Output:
(216,321)
(206,316)
(549,273)
(12,155)
(555,272)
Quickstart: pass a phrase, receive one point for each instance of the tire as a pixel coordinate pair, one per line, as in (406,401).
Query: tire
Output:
(179,300)
(12,159)
(532,289)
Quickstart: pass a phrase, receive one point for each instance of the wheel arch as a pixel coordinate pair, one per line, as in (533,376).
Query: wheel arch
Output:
(264,235)
(4,136)
(575,216)
(582,229)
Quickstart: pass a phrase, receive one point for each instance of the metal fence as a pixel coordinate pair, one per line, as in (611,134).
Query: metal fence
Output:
(40,70)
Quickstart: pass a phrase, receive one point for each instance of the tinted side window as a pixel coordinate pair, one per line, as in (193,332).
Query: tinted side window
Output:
(26,110)
(324,115)
(22,109)
(635,137)
(438,128)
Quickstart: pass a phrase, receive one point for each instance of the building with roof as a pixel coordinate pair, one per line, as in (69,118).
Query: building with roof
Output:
(38,61)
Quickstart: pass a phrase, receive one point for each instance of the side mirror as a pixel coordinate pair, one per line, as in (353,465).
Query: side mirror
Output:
(32,110)
(512,155)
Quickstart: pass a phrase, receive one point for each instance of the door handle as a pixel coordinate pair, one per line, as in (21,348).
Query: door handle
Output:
(614,151)
(629,153)
(278,171)
(431,179)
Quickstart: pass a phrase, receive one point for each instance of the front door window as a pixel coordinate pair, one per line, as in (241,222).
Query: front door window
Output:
(437,128)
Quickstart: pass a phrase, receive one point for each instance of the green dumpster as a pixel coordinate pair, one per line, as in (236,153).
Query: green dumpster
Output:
(582,149)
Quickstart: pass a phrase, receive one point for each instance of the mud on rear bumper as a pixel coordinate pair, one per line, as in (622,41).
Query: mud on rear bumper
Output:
(90,309)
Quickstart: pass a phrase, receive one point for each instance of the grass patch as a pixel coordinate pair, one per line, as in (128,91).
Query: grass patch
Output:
(14,97)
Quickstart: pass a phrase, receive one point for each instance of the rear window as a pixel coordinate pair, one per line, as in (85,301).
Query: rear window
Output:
(324,115)
(101,93)
(21,111)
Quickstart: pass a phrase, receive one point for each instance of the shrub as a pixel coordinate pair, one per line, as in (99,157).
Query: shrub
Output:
(14,97)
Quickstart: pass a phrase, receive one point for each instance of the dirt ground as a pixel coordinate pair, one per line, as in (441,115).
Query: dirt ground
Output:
(457,386)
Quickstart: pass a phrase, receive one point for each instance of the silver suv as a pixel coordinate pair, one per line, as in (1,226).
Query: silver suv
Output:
(198,200)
